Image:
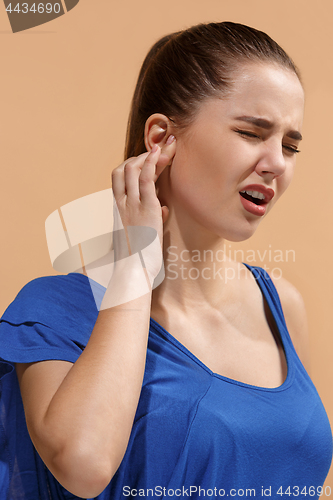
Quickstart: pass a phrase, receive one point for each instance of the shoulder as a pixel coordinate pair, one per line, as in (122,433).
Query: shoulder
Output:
(52,297)
(295,315)
(51,317)
(46,287)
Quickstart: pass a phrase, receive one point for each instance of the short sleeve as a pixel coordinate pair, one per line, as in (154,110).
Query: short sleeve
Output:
(51,318)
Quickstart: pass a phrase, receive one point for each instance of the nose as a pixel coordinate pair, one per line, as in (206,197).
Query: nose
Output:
(272,163)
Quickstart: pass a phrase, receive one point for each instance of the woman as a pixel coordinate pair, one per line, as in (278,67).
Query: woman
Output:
(220,403)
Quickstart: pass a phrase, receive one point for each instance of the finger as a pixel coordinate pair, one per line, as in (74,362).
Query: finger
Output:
(118,176)
(163,162)
(117,182)
(117,222)
(132,171)
(147,175)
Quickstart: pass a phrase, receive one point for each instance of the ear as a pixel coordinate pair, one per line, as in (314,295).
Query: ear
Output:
(160,130)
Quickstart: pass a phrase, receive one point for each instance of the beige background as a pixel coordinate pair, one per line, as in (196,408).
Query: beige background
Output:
(66,88)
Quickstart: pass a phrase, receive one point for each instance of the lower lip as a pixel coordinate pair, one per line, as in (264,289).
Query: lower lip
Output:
(253,208)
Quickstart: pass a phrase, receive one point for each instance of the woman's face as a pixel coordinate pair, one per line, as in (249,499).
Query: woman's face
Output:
(247,141)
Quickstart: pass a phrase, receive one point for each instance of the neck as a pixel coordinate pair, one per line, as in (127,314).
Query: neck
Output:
(198,273)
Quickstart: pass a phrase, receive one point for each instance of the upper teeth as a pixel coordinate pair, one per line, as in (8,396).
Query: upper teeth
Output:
(255,194)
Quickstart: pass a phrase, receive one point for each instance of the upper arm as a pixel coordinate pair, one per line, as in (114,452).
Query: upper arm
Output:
(295,315)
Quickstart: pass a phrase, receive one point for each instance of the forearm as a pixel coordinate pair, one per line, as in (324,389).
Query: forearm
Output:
(88,421)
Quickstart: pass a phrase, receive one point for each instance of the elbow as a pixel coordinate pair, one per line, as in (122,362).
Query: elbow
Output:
(83,472)
(82,462)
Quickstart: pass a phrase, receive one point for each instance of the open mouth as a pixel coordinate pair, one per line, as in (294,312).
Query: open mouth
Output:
(253,199)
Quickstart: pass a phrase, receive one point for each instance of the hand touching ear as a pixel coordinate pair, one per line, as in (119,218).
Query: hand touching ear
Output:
(159,130)
(133,185)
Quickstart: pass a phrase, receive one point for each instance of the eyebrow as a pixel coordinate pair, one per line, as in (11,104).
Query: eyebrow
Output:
(266,124)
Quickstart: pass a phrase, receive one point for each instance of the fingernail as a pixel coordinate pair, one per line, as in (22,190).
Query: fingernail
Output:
(170,140)
(154,148)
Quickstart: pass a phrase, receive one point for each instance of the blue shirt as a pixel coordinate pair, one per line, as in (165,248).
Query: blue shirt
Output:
(195,434)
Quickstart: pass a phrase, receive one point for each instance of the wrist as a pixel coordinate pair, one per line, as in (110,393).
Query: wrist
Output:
(128,282)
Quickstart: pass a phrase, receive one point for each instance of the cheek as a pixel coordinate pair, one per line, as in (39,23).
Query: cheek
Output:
(189,186)
(204,161)
(186,171)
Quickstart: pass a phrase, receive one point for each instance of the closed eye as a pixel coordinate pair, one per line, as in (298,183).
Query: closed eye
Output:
(290,149)
(248,134)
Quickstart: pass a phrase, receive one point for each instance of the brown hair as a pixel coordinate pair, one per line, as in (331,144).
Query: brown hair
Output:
(184,68)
